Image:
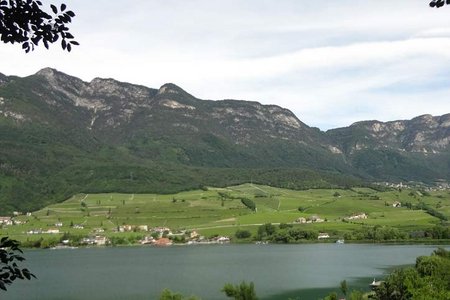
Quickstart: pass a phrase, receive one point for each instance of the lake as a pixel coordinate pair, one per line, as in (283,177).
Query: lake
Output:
(278,271)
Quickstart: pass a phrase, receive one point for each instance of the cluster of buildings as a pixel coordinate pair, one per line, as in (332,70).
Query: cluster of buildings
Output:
(164,237)
(41,231)
(357,216)
(438,185)
(10,221)
(309,220)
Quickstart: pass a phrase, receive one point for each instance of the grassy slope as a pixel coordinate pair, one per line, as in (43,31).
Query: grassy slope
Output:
(203,210)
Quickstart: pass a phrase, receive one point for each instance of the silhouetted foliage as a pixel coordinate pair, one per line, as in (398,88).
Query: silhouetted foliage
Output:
(24,22)
(9,256)
(439,3)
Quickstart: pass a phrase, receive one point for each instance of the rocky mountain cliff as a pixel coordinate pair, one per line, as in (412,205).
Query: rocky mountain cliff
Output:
(61,135)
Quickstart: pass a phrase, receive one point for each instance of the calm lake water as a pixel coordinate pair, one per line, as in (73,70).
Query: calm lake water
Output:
(278,271)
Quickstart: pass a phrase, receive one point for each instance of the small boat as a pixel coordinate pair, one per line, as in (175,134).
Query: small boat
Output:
(340,241)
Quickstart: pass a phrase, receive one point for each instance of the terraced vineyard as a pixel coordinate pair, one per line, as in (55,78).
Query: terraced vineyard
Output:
(220,211)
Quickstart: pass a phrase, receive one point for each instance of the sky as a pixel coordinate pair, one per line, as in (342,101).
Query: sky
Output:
(331,63)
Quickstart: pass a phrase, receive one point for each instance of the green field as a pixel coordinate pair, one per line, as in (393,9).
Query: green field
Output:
(219,211)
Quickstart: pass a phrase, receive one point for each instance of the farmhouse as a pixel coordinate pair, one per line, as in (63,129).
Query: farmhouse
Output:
(357,216)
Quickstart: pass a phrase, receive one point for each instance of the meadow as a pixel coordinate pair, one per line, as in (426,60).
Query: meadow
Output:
(220,211)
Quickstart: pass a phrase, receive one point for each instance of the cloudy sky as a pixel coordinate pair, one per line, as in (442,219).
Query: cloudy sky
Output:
(331,62)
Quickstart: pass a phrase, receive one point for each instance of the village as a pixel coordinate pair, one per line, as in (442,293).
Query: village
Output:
(156,236)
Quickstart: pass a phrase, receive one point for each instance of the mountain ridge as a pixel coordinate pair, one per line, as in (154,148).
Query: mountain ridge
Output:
(176,141)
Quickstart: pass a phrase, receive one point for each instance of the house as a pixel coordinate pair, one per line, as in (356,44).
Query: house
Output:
(59,224)
(163,242)
(314,219)
(78,226)
(396,204)
(223,240)
(162,230)
(125,228)
(300,220)
(147,240)
(357,216)
(100,240)
(6,220)
(87,241)
(193,234)
(52,231)
(323,235)
(143,227)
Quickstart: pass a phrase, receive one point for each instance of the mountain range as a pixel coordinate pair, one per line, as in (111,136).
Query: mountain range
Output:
(60,135)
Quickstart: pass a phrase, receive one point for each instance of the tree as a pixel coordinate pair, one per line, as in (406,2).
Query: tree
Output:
(24,22)
(344,287)
(439,3)
(9,256)
(332,296)
(169,295)
(243,234)
(266,230)
(242,291)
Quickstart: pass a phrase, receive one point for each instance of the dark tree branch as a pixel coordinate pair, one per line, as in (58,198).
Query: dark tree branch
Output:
(24,22)
(439,3)
(10,254)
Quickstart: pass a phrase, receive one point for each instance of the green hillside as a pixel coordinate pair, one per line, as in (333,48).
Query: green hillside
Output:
(61,136)
(220,211)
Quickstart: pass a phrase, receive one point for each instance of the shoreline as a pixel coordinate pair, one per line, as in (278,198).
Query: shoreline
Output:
(361,242)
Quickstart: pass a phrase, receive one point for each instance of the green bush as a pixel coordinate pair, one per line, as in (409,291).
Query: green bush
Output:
(242,234)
